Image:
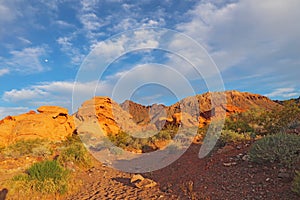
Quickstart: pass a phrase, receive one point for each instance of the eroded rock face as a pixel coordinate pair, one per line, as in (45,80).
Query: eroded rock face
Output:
(107,116)
(51,122)
(198,110)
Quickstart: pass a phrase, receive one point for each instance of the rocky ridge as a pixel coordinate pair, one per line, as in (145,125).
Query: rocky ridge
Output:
(50,122)
(54,123)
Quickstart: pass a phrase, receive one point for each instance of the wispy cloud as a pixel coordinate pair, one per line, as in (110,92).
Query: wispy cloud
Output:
(24,41)
(4,71)
(56,93)
(284,93)
(69,49)
(90,20)
(27,61)
(63,24)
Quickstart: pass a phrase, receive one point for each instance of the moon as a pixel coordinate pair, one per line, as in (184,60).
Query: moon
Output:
(46,60)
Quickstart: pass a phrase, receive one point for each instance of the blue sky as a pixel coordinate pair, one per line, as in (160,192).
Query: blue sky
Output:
(255,45)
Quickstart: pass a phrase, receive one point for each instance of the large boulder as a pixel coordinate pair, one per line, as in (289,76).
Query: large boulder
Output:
(51,122)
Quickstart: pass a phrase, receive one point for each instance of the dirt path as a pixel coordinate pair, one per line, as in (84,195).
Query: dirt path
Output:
(223,175)
(102,182)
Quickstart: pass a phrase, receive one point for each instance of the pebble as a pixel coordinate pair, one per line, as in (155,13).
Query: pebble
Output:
(229,164)
(245,158)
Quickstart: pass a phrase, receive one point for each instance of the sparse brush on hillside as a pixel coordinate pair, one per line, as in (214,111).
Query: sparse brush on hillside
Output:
(35,148)
(46,177)
(281,120)
(281,148)
(246,122)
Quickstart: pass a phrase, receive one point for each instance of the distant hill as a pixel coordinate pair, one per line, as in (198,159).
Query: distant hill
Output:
(295,100)
(236,102)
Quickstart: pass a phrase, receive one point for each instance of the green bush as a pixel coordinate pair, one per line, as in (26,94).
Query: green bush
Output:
(164,135)
(229,136)
(36,147)
(47,177)
(77,154)
(281,148)
(296,184)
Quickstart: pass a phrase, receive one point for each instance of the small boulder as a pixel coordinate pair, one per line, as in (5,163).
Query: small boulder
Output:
(140,182)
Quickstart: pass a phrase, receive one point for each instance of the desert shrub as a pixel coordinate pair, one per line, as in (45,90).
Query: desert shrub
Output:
(229,136)
(36,147)
(47,177)
(282,148)
(296,183)
(164,135)
(74,138)
(281,119)
(238,125)
(122,138)
(76,153)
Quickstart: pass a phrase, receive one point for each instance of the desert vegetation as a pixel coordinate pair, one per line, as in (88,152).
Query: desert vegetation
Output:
(34,147)
(279,148)
(52,172)
(46,177)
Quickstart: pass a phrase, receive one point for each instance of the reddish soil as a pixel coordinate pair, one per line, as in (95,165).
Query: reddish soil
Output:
(193,178)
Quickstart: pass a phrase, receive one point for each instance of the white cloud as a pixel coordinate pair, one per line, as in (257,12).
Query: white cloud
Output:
(23,94)
(111,48)
(88,5)
(90,21)
(130,23)
(125,24)
(249,37)
(5,111)
(27,61)
(249,32)
(284,93)
(57,93)
(139,39)
(4,71)
(63,24)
